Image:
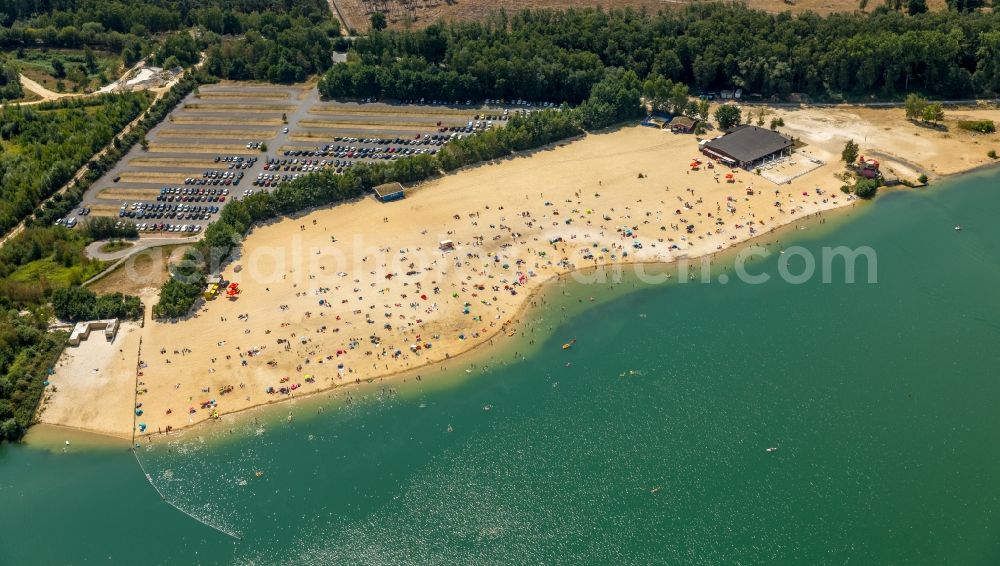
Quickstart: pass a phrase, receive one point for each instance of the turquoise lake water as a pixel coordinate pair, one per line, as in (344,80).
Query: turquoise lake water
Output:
(649,447)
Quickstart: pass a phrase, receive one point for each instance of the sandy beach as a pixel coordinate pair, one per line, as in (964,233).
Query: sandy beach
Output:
(366,290)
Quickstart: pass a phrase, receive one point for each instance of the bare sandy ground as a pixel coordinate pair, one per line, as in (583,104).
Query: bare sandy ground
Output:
(910,148)
(363,290)
(213,149)
(98,378)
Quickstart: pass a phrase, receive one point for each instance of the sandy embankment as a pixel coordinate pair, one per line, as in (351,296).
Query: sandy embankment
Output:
(346,293)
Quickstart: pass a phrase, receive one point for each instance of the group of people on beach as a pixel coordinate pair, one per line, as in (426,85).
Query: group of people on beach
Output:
(410,304)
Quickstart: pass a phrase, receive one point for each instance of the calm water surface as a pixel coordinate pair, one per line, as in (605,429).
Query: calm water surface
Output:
(650,447)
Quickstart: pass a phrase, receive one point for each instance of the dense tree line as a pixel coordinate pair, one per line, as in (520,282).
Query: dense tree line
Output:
(44,145)
(277,54)
(275,40)
(27,351)
(177,50)
(107,227)
(559,56)
(75,304)
(74,22)
(10,83)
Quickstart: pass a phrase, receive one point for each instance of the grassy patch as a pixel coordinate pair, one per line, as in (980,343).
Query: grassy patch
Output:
(979,126)
(55,273)
(116,245)
(77,76)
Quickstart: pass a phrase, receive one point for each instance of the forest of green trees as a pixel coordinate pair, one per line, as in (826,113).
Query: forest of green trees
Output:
(75,304)
(273,40)
(27,350)
(42,146)
(559,56)
(10,84)
(285,51)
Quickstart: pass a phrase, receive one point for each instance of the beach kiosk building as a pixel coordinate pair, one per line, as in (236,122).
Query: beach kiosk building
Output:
(682,124)
(748,146)
(389,192)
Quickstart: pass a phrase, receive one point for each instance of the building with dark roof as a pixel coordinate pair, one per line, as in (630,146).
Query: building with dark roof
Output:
(683,124)
(747,146)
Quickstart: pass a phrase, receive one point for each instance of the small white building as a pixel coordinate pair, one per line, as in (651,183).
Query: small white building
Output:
(82,330)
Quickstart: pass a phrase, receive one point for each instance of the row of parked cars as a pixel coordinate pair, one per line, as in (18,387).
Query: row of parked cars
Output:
(216,178)
(192,194)
(435,102)
(489,116)
(468,129)
(519,102)
(164,210)
(270,180)
(304,165)
(236,161)
(167,227)
(488,102)
(416,140)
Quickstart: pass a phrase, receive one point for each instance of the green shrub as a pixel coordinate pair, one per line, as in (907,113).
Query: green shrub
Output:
(76,303)
(866,188)
(981,126)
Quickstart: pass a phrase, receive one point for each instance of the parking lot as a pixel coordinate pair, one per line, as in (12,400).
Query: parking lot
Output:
(226,141)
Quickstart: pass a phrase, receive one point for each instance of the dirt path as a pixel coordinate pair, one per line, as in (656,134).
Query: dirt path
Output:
(93,250)
(48,95)
(40,90)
